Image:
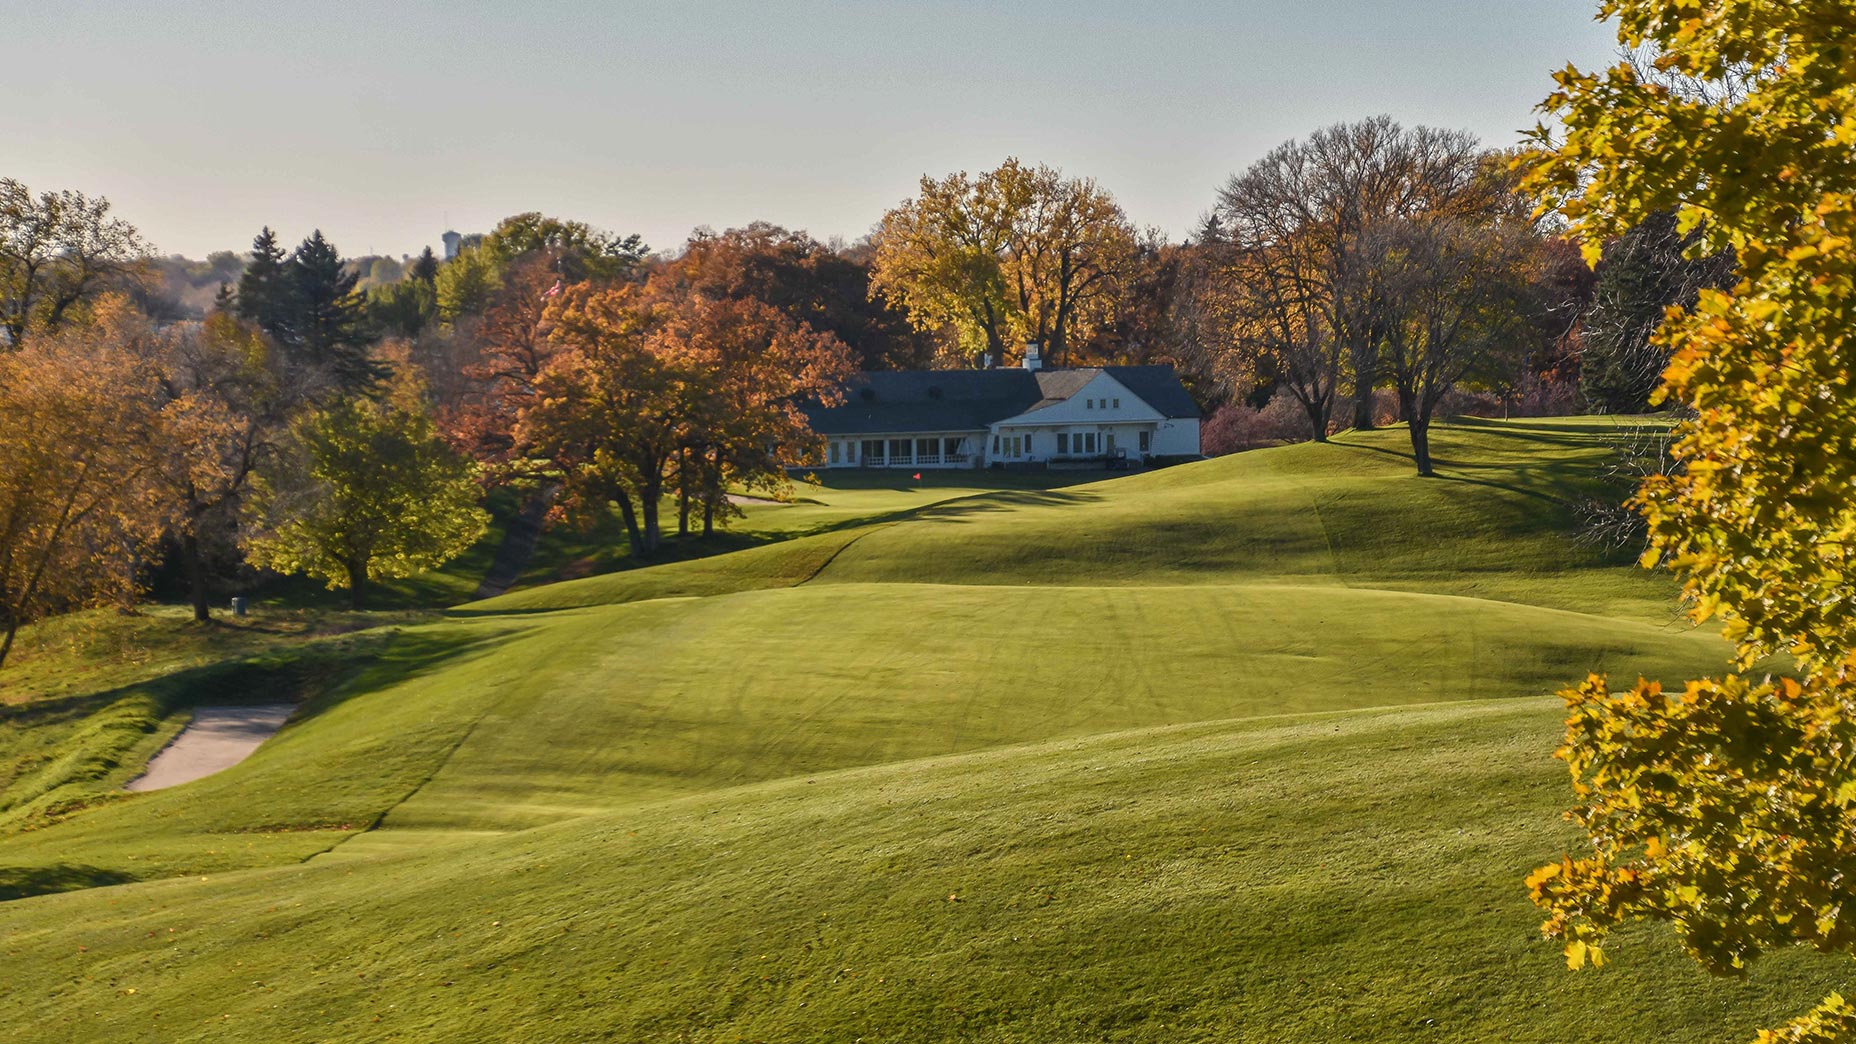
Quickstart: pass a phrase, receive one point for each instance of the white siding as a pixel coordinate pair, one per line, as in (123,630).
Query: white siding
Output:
(1104,400)
(1178,437)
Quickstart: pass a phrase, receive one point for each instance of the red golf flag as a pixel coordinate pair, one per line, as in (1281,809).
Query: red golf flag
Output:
(918,476)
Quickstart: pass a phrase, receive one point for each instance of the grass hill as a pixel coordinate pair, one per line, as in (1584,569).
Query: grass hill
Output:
(1253,748)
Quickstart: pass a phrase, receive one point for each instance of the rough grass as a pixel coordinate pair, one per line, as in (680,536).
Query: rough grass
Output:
(1250,749)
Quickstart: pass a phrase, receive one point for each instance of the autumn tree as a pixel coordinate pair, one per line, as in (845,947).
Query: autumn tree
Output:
(826,289)
(652,388)
(221,412)
(75,503)
(1303,300)
(608,413)
(1015,254)
(755,368)
(495,299)
(366,490)
(58,250)
(1273,309)
(1457,295)
(1728,808)
(513,349)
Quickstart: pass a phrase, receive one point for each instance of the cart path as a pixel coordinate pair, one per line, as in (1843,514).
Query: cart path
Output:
(217,739)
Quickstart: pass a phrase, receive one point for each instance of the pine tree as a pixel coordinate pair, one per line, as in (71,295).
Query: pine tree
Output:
(329,332)
(425,269)
(265,288)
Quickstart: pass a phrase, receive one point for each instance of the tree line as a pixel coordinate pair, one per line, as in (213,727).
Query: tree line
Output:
(305,426)
(342,419)
(1365,260)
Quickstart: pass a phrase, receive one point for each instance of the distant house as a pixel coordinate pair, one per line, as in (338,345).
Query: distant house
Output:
(978,418)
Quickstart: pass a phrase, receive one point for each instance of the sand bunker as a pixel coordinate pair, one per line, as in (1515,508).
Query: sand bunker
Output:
(217,739)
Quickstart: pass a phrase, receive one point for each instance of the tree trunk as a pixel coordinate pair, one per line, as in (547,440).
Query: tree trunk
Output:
(357,585)
(1363,400)
(711,489)
(683,493)
(6,641)
(648,502)
(1421,440)
(196,577)
(630,515)
(1317,421)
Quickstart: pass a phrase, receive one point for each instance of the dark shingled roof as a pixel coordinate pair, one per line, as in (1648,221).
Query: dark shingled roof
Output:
(906,401)
(926,400)
(1159,387)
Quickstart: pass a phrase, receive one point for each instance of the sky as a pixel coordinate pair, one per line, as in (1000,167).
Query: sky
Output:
(385,123)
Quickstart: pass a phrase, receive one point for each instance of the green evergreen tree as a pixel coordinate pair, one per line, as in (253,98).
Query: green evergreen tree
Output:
(329,334)
(425,269)
(265,289)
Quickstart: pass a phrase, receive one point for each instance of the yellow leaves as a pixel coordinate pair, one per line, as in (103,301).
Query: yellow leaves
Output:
(1727,812)
(1578,952)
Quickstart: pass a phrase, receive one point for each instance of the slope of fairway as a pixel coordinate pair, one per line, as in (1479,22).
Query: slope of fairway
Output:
(1256,748)
(1494,524)
(1337,877)
(520,721)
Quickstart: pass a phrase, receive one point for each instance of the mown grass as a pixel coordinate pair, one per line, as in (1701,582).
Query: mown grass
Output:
(1336,877)
(1034,764)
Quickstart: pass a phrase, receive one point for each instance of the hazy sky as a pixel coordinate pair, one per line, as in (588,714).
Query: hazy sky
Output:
(383,122)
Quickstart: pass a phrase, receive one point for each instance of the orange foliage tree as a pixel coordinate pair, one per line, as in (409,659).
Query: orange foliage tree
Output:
(653,389)
(76,504)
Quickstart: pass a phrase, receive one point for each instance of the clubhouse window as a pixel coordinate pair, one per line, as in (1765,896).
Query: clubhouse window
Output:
(1147,441)
(873,451)
(899,451)
(1063,442)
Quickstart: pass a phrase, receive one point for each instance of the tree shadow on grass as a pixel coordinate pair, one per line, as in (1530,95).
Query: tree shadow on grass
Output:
(962,509)
(20,882)
(1540,480)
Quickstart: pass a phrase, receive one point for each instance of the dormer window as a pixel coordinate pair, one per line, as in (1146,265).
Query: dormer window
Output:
(1089,404)
(1118,404)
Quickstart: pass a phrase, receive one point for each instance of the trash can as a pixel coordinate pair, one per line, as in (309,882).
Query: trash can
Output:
(239,605)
